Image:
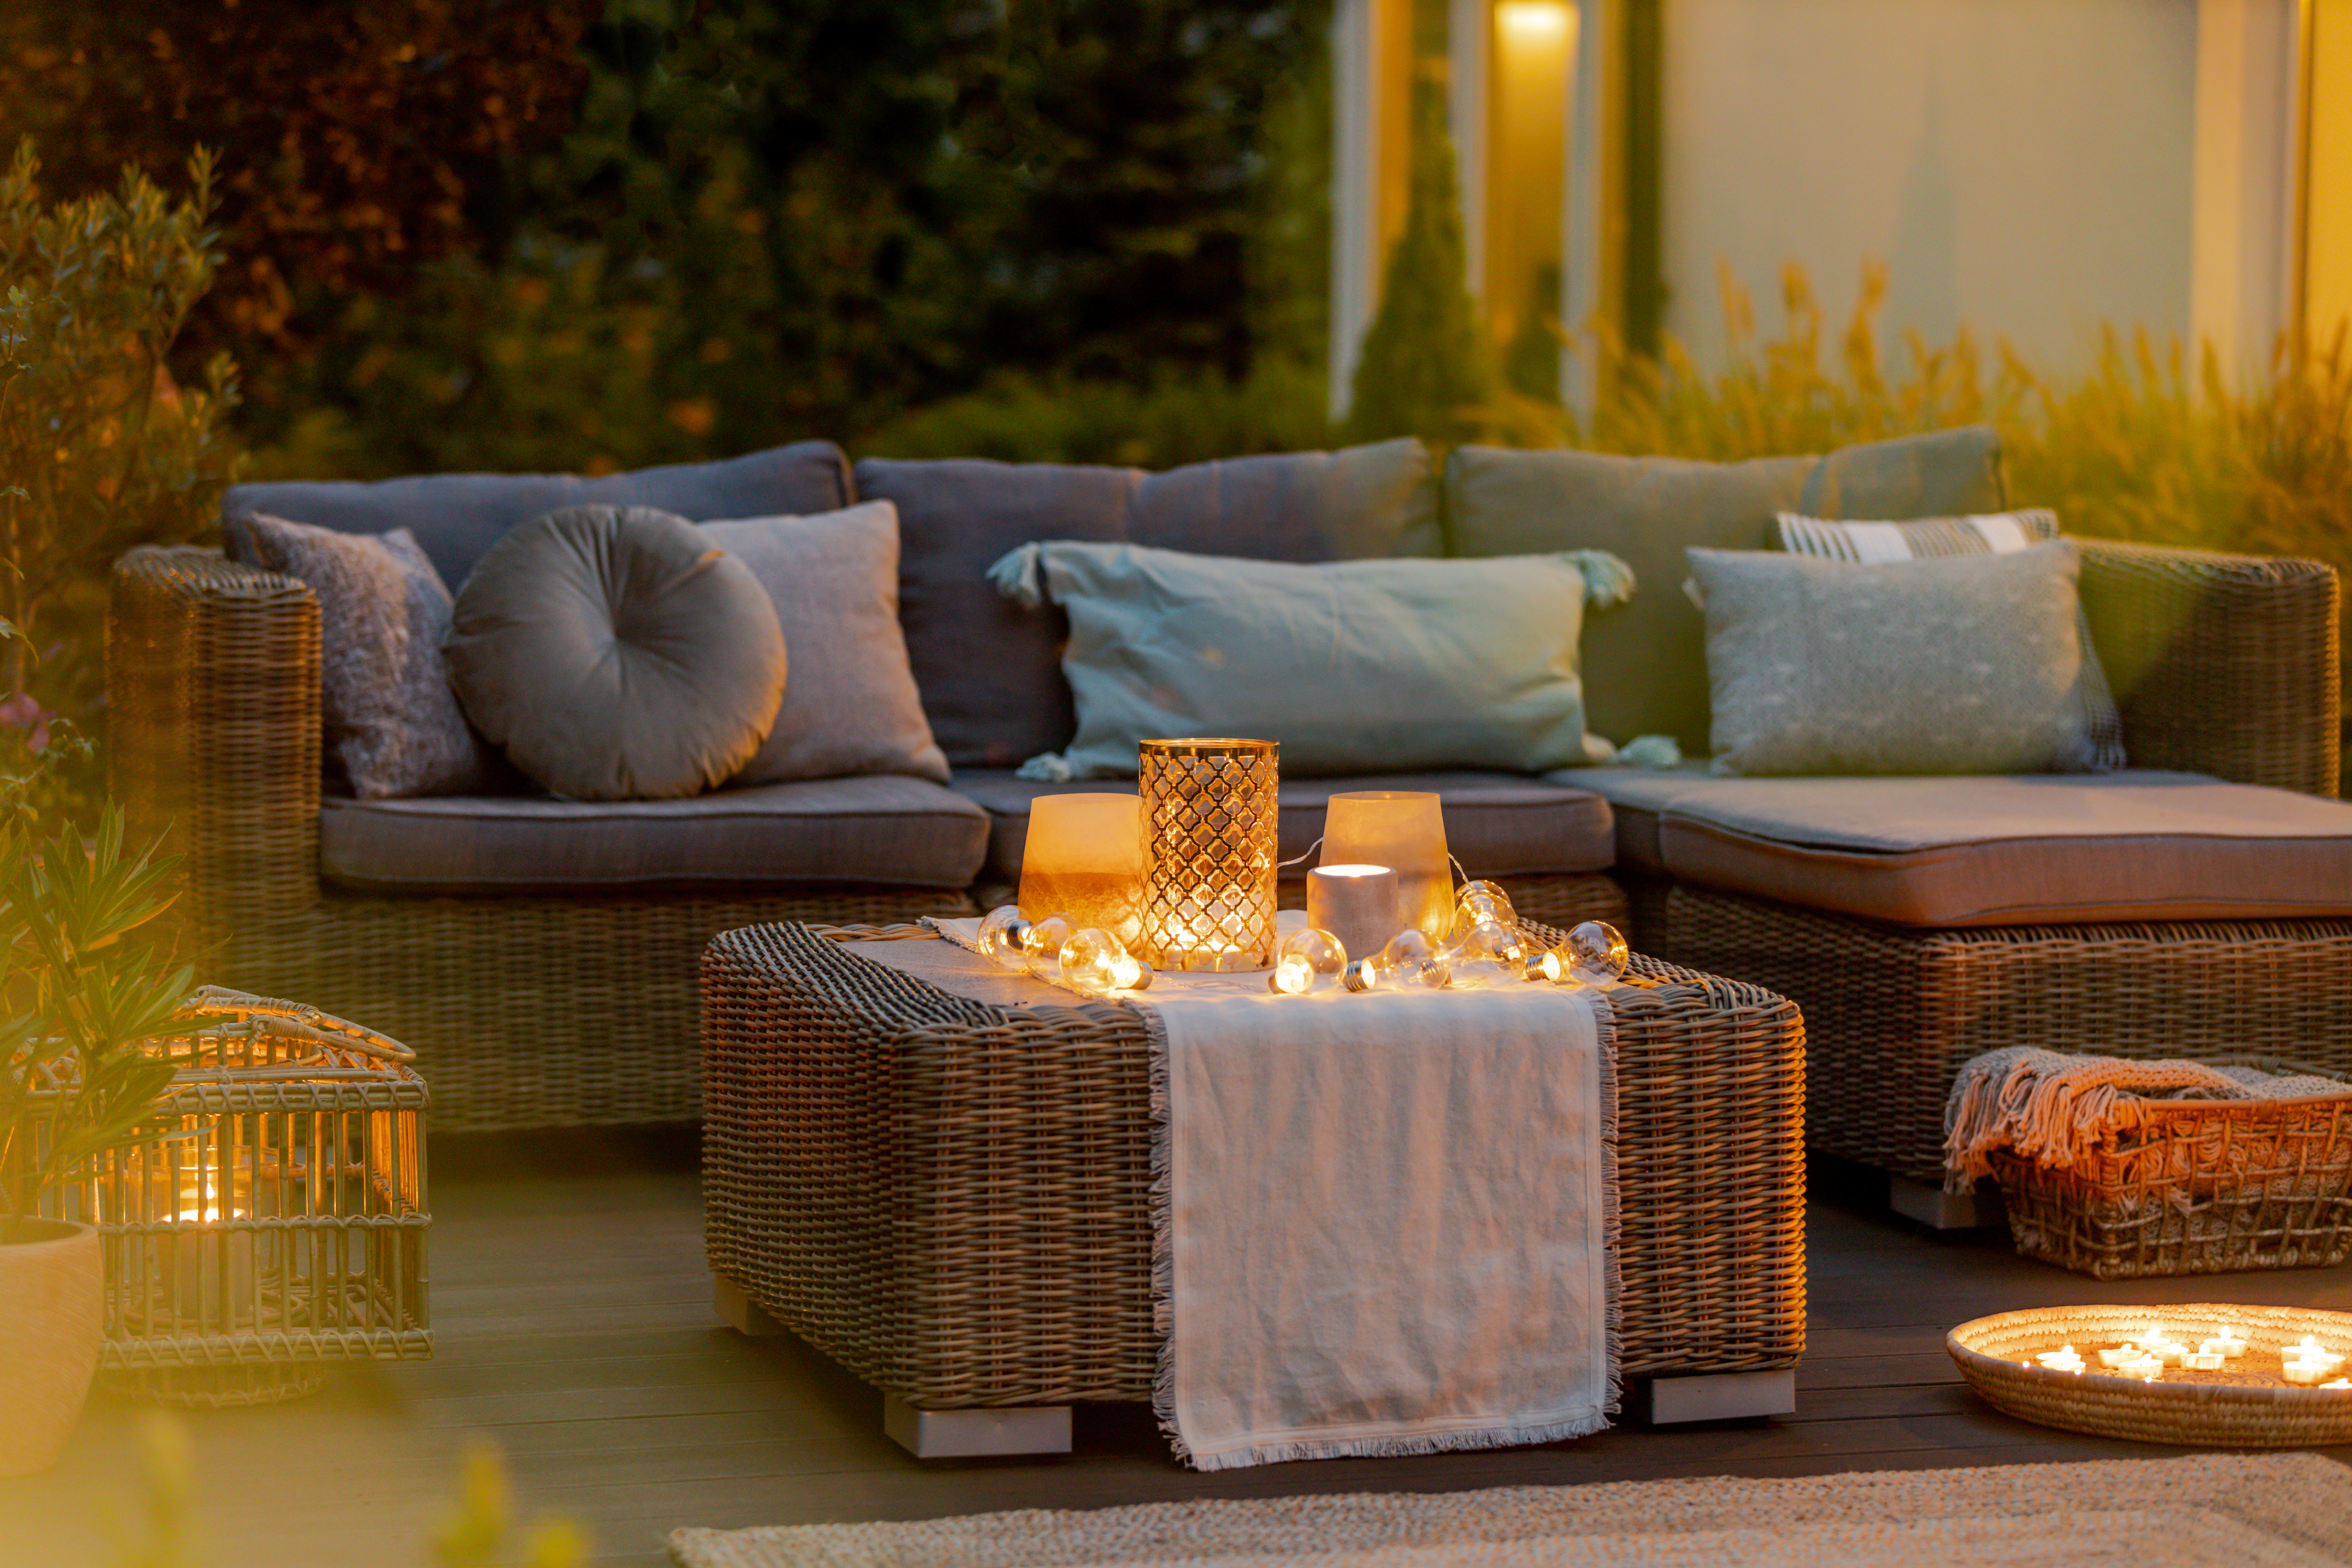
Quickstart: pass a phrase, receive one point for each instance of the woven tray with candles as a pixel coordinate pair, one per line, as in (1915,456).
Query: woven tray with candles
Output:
(2198,1373)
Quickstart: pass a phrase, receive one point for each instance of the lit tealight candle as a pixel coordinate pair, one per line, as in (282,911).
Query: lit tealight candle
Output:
(2301,1374)
(2144,1366)
(2226,1344)
(2168,1351)
(2064,1358)
(2113,1356)
(2339,1383)
(2203,1360)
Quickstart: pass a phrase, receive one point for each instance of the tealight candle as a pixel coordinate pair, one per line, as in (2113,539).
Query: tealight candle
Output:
(2339,1383)
(2064,1358)
(2144,1366)
(2114,1356)
(2203,1360)
(2169,1351)
(2301,1374)
(2225,1344)
(1358,904)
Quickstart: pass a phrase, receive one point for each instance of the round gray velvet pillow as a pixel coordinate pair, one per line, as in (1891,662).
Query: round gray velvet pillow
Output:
(618,654)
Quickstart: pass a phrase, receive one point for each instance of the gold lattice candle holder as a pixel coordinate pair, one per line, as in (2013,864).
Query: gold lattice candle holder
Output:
(277,1220)
(1209,821)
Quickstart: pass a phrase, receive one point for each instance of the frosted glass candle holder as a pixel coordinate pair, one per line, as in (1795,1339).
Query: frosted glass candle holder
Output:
(1210,846)
(1084,858)
(1405,831)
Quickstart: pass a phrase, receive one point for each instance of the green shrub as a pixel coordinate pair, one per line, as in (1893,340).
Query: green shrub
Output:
(1424,368)
(1278,408)
(100,448)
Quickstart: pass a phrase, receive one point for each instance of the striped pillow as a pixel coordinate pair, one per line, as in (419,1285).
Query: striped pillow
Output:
(1993,533)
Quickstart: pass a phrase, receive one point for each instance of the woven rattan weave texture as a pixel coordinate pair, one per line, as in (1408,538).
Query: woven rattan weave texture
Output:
(951,1198)
(2197,1187)
(575,1009)
(1892,1014)
(2229,665)
(1987,1351)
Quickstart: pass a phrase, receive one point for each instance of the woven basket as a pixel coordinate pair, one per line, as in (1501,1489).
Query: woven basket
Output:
(2199,1188)
(1987,1351)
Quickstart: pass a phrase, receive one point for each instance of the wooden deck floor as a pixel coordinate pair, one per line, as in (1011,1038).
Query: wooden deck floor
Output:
(574,1327)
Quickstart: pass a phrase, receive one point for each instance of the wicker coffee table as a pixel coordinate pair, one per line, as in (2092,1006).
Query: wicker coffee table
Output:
(946,1190)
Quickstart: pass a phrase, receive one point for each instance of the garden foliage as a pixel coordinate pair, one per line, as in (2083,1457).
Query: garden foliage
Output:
(101,448)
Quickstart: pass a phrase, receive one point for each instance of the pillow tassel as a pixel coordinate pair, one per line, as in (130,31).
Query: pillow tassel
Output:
(1045,767)
(1649,751)
(1019,576)
(1607,579)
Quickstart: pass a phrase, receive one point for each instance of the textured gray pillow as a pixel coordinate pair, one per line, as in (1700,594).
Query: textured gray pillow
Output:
(618,654)
(392,726)
(851,705)
(1992,533)
(1967,665)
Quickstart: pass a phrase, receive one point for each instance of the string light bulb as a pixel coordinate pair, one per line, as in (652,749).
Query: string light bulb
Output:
(1041,944)
(1595,954)
(1407,962)
(1307,961)
(1094,962)
(1001,932)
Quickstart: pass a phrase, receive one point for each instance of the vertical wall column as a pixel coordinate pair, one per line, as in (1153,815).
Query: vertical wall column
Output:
(1371,84)
(2243,223)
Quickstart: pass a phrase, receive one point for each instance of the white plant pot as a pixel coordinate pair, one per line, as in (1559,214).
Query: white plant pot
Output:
(51,1321)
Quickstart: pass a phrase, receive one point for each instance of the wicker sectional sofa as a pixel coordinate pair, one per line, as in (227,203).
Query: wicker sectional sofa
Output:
(541,955)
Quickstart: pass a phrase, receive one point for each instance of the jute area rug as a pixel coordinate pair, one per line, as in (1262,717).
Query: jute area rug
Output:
(2279,1510)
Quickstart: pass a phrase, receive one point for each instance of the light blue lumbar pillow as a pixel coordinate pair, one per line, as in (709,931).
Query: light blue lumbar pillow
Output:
(1354,666)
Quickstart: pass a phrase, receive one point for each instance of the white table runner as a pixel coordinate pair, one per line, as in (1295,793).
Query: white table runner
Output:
(1385,1223)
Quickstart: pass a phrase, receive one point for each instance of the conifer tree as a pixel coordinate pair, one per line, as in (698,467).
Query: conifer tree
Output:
(1424,368)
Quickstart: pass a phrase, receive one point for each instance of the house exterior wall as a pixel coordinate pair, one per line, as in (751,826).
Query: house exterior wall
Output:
(2028,169)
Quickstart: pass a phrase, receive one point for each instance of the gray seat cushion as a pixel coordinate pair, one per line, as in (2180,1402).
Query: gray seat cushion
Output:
(1497,825)
(1645,660)
(617,653)
(990,671)
(2008,849)
(881,828)
(456,517)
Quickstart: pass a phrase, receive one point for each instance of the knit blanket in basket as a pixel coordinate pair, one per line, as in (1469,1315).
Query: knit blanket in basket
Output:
(2054,1109)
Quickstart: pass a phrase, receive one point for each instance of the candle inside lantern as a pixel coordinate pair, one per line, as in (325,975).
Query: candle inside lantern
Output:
(1084,858)
(1405,831)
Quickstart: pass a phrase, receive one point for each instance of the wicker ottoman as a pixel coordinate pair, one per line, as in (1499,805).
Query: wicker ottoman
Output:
(950,1196)
(1892,1013)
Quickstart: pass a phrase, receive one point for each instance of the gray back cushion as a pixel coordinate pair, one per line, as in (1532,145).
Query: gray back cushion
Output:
(989,671)
(1645,660)
(617,653)
(456,517)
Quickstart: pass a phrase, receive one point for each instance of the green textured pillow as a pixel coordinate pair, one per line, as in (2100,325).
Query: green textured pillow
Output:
(1354,666)
(618,654)
(1646,662)
(1959,665)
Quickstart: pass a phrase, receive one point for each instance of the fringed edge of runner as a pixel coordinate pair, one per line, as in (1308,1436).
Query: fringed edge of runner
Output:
(1604,1029)
(1398,1448)
(1163,1243)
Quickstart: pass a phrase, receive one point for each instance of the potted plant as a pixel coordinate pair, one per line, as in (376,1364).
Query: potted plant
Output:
(77,1003)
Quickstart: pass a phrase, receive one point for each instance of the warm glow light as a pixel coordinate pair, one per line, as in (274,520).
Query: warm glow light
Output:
(1532,22)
